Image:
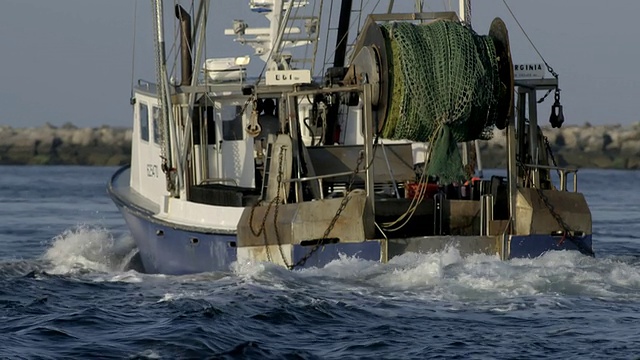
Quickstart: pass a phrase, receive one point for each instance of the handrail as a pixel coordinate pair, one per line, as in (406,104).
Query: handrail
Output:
(320,177)
(145,83)
(569,169)
(563,174)
(215,180)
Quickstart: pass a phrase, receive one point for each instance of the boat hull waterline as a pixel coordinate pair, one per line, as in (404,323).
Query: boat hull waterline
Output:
(172,249)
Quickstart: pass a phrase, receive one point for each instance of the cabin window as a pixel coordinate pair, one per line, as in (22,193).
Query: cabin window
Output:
(143,117)
(155,112)
(232,128)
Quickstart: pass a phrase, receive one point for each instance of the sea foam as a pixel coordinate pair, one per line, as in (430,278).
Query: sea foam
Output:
(88,249)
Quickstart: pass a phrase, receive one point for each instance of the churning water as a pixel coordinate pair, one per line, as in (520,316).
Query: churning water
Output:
(67,290)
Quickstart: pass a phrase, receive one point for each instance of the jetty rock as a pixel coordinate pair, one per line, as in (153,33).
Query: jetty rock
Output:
(65,145)
(585,146)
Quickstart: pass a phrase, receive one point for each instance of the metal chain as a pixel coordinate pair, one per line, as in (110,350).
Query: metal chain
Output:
(168,174)
(568,233)
(275,201)
(550,152)
(559,219)
(543,98)
(278,198)
(261,230)
(341,208)
(550,70)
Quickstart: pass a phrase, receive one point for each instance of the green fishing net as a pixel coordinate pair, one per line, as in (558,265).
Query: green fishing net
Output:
(445,90)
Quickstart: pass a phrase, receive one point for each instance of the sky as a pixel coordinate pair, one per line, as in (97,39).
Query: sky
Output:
(71,60)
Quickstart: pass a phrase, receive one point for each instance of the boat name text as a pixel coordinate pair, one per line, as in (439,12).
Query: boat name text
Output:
(152,170)
(287,77)
(528,71)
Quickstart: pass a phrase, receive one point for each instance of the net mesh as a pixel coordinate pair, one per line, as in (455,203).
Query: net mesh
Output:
(445,89)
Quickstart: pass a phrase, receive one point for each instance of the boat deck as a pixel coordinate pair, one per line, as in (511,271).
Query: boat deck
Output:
(123,194)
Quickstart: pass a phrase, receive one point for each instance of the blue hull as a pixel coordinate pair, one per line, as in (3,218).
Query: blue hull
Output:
(169,250)
(531,246)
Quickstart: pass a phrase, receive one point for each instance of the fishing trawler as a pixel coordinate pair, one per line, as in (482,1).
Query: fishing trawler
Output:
(375,157)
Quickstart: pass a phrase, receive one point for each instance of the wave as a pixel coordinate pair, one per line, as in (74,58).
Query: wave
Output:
(89,249)
(448,276)
(439,276)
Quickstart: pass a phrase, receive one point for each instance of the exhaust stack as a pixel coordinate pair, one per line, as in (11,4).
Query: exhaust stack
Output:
(186,45)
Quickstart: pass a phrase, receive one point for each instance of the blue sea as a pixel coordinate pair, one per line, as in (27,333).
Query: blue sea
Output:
(66,291)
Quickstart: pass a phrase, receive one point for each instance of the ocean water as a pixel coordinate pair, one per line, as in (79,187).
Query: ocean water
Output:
(66,291)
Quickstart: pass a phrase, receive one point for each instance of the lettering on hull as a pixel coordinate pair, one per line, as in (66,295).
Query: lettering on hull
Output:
(152,170)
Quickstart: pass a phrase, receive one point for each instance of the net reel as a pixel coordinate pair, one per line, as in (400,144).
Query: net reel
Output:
(373,62)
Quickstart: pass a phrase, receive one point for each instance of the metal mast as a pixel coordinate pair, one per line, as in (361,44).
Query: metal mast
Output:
(164,98)
(465,11)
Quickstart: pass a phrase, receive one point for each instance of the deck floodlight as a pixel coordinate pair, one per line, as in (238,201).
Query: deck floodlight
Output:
(242,61)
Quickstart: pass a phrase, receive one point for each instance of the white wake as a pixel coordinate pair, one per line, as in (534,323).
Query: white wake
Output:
(88,249)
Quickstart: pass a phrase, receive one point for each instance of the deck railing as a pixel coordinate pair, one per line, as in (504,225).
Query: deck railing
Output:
(319,179)
(563,174)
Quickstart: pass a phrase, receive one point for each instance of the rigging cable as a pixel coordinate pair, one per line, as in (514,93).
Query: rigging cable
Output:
(549,68)
(133,50)
(345,35)
(326,36)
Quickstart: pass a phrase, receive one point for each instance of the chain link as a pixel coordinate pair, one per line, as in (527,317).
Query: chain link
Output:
(278,202)
(545,96)
(275,204)
(568,233)
(551,71)
(343,205)
(275,201)
(559,219)
(550,152)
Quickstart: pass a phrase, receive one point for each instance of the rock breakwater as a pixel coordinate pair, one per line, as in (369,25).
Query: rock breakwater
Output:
(65,145)
(586,146)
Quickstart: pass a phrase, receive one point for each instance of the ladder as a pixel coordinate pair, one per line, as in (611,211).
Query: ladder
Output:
(308,33)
